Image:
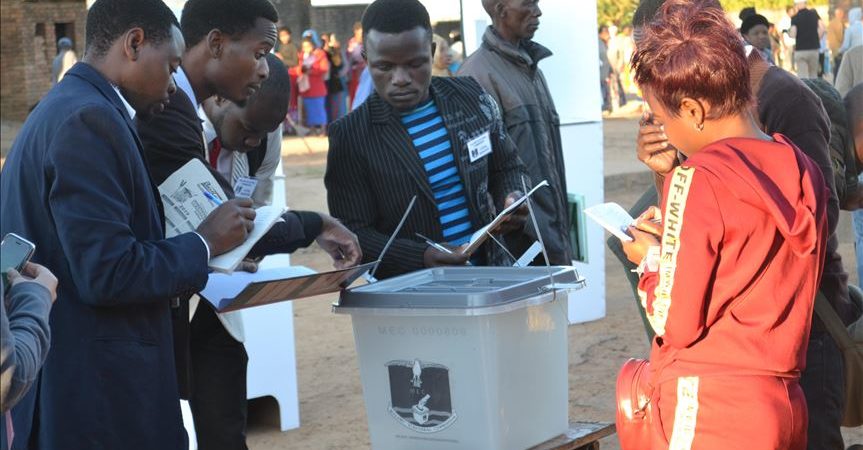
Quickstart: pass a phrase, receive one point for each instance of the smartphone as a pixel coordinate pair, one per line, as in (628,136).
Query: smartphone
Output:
(15,251)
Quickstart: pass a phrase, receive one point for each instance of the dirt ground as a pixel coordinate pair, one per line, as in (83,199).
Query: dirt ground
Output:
(332,413)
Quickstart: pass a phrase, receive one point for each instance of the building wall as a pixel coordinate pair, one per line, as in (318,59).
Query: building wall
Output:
(28,46)
(337,19)
(295,14)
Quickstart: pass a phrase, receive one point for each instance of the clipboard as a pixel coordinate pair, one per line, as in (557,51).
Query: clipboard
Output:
(272,286)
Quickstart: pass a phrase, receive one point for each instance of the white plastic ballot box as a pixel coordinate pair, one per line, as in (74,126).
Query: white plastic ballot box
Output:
(464,357)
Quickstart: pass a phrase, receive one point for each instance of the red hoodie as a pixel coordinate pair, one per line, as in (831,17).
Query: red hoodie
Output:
(742,253)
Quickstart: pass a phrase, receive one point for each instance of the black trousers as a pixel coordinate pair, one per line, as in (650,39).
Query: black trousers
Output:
(218,387)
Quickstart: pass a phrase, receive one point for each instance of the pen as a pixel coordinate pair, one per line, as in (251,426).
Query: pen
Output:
(434,244)
(212,197)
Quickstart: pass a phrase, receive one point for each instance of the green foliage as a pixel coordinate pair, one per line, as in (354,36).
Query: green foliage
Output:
(737,5)
(617,12)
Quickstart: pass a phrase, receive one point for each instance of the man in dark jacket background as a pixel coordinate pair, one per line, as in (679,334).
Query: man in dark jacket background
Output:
(506,67)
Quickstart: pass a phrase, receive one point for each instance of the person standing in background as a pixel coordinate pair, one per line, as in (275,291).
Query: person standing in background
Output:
(356,61)
(287,51)
(456,51)
(755,31)
(337,89)
(604,68)
(854,32)
(775,44)
(835,36)
(442,58)
(65,59)
(507,66)
(312,67)
(787,40)
(807,29)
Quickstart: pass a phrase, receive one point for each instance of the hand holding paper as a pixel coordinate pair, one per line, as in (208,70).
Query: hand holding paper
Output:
(517,219)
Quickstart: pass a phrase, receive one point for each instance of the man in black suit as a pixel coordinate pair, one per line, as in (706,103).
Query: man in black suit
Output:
(77,184)
(441,139)
(226,45)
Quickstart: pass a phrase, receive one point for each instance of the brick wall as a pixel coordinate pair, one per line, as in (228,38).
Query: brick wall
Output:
(28,46)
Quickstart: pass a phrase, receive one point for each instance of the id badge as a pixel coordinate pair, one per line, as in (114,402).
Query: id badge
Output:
(245,187)
(479,146)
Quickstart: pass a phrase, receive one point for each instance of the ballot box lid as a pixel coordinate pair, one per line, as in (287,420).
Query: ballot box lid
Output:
(462,290)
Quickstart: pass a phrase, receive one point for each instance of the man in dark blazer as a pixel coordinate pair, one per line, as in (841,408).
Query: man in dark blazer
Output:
(76,184)
(441,139)
(226,46)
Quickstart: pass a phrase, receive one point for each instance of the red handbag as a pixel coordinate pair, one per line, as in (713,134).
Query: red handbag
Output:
(633,391)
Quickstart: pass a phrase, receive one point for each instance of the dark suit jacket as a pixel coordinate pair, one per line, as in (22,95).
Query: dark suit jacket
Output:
(373,170)
(172,139)
(76,184)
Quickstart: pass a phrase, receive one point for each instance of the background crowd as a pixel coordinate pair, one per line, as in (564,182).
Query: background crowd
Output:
(327,75)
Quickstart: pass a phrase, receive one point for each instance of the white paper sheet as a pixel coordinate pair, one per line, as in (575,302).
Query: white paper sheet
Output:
(480,235)
(613,218)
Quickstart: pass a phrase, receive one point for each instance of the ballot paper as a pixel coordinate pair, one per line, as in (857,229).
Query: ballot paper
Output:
(477,239)
(244,290)
(613,218)
(186,206)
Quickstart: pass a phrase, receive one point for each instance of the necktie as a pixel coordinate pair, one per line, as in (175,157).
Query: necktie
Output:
(214,153)
(240,168)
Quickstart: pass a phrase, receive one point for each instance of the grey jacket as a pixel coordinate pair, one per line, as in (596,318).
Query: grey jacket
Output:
(510,74)
(24,340)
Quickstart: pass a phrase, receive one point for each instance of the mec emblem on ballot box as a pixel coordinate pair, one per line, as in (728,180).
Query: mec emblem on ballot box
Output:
(420,395)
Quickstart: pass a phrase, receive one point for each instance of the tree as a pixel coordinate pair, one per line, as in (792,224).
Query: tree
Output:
(618,12)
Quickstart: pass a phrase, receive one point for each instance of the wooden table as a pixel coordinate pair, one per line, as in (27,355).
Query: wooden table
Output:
(580,436)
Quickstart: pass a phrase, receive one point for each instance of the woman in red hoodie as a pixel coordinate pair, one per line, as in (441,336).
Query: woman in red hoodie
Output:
(731,264)
(310,72)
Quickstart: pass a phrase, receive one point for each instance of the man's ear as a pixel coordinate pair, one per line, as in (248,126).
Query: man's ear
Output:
(693,111)
(132,42)
(215,41)
(500,10)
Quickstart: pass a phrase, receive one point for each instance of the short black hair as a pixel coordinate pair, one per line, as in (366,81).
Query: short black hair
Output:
(395,16)
(285,28)
(107,20)
(752,21)
(277,86)
(232,17)
(746,12)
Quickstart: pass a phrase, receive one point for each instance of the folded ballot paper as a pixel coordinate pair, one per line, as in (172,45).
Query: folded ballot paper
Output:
(185,198)
(613,218)
(244,290)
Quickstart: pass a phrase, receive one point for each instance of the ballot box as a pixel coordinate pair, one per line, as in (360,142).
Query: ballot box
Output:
(464,357)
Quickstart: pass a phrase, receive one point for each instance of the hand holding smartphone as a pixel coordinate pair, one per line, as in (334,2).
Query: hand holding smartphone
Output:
(15,252)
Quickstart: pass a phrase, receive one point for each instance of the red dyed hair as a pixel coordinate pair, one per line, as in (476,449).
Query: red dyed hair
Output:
(690,49)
